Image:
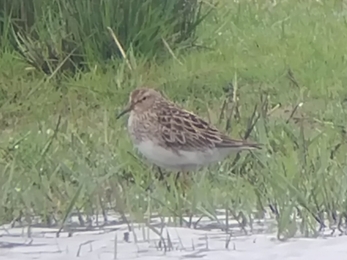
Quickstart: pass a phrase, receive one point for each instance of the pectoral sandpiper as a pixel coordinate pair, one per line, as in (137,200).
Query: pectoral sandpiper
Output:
(173,138)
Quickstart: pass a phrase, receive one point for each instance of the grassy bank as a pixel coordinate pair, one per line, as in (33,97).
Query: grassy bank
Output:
(61,149)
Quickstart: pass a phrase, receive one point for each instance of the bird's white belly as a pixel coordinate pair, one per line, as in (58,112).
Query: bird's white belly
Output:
(184,160)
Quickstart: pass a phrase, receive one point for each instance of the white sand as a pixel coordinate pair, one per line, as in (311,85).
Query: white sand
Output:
(186,243)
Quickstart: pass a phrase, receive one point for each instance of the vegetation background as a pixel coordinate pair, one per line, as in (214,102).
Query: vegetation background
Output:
(274,71)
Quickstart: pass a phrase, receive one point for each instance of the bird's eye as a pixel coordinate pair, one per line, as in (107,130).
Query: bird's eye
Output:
(144,98)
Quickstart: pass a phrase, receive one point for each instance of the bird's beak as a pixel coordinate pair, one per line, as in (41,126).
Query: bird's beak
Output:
(127,109)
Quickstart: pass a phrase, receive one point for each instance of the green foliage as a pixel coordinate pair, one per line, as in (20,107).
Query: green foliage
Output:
(72,33)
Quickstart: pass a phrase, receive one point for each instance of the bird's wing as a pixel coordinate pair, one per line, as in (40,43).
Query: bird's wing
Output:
(182,130)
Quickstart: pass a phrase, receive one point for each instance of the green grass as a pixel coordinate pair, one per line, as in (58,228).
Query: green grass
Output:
(67,36)
(62,150)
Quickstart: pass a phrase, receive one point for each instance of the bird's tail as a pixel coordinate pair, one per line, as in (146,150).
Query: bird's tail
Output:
(239,144)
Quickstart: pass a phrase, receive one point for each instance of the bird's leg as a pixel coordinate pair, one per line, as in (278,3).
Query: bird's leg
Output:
(177,176)
(161,177)
(182,184)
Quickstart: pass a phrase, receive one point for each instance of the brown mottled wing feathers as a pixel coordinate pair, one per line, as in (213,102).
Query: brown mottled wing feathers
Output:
(185,131)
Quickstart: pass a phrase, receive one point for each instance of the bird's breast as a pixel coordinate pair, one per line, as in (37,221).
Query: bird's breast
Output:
(138,128)
(132,127)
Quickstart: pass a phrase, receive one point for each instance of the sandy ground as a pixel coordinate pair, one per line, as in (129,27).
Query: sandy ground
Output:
(186,243)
